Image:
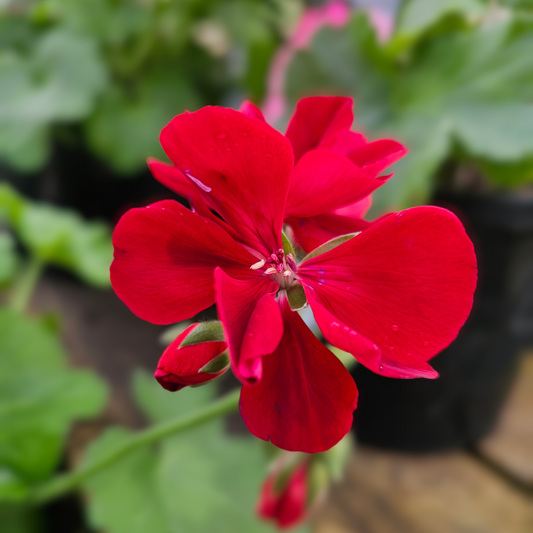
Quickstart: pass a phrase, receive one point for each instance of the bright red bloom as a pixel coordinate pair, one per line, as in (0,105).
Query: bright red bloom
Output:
(191,360)
(285,505)
(393,296)
(328,158)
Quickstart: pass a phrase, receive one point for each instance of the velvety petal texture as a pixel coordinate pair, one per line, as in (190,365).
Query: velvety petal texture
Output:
(252,322)
(181,366)
(306,398)
(324,181)
(241,165)
(164,261)
(319,122)
(176,181)
(405,284)
(373,158)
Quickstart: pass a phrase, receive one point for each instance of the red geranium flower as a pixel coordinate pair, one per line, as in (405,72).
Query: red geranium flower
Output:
(327,154)
(393,296)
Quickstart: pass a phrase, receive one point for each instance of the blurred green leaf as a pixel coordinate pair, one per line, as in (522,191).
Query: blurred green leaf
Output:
(201,480)
(125,497)
(509,175)
(472,86)
(125,127)
(58,80)
(39,397)
(417,16)
(8,258)
(60,237)
(20,519)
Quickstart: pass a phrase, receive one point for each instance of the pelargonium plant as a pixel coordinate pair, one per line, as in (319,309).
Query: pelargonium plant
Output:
(393,292)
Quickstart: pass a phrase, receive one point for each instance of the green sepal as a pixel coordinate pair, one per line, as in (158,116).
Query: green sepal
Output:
(204,332)
(296,296)
(327,246)
(216,365)
(287,245)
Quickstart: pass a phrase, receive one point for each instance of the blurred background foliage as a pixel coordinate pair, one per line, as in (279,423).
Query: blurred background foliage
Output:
(119,69)
(452,79)
(454,82)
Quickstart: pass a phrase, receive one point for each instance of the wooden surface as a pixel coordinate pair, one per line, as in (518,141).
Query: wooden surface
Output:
(446,493)
(511,444)
(382,492)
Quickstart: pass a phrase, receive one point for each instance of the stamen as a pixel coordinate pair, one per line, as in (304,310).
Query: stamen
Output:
(291,262)
(270,270)
(258,265)
(286,273)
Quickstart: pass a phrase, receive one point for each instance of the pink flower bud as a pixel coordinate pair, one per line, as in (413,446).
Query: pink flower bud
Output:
(195,357)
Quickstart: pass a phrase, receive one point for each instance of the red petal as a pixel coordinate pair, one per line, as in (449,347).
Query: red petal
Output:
(365,351)
(376,156)
(172,178)
(348,142)
(292,506)
(356,210)
(179,367)
(176,181)
(251,320)
(251,110)
(242,166)
(319,122)
(165,256)
(312,232)
(306,398)
(405,284)
(324,181)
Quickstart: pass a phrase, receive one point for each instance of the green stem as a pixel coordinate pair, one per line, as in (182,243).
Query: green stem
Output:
(25,285)
(65,483)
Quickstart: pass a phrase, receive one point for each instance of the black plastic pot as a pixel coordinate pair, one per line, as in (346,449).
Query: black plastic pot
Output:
(476,370)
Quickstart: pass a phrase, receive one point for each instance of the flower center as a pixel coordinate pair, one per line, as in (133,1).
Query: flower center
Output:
(282,268)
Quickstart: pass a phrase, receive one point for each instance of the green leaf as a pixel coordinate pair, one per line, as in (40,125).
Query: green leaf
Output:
(418,16)
(204,332)
(471,85)
(39,397)
(201,480)
(125,496)
(510,174)
(58,80)
(59,236)
(125,128)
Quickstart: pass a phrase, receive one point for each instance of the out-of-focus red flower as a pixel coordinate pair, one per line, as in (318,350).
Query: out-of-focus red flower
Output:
(285,500)
(394,295)
(192,359)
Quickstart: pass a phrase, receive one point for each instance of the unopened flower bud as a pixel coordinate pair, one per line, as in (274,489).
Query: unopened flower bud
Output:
(196,356)
(283,497)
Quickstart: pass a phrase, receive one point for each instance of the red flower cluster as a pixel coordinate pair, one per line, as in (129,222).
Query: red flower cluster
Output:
(393,295)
